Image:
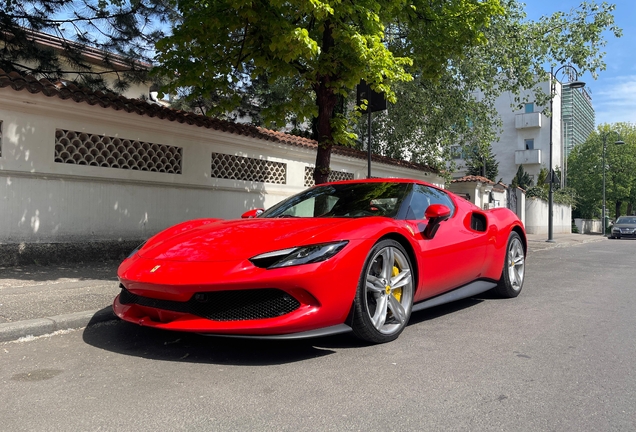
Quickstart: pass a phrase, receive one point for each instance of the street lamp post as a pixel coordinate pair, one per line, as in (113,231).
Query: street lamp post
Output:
(617,142)
(574,84)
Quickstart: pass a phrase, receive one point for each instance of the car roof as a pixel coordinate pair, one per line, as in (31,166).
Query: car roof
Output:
(382,180)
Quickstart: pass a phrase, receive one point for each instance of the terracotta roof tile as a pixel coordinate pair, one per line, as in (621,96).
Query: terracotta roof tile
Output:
(472,178)
(66,91)
(500,187)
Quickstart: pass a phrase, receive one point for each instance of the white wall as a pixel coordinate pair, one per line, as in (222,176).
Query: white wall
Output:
(479,192)
(537,217)
(589,226)
(45,201)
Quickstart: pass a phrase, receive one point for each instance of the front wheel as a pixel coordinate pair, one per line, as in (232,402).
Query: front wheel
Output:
(384,298)
(513,272)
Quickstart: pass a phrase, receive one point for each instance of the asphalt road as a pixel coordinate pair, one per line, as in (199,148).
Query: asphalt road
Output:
(561,357)
(30,292)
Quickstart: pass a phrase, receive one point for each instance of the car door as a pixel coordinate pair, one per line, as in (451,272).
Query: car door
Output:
(456,254)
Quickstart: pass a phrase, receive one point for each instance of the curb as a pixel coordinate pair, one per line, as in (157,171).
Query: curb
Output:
(42,326)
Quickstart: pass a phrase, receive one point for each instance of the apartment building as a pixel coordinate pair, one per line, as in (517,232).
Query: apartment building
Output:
(525,135)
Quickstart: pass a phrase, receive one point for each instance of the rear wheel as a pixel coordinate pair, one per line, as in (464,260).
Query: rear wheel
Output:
(384,298)
(513,272)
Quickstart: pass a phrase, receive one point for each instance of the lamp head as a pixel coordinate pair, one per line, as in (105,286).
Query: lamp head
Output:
(576,84)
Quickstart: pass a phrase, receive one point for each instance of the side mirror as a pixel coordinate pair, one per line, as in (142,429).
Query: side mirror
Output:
(252,213)
(435,214)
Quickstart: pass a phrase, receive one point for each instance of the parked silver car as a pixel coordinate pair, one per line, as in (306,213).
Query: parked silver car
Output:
(625,226)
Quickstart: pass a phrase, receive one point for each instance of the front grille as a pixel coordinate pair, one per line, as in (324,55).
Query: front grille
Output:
(235,305)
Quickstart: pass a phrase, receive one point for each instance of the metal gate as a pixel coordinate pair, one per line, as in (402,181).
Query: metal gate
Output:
(511,194)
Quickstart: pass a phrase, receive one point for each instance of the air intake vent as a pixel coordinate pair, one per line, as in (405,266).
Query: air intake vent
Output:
(235,305)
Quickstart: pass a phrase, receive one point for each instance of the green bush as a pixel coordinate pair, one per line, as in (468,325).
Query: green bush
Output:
(561,196)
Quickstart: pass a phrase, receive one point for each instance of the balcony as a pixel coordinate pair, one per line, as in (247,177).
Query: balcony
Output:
(527,157)
(528,120)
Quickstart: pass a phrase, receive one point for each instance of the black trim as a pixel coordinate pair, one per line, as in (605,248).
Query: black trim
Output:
(472,289)
(326,331)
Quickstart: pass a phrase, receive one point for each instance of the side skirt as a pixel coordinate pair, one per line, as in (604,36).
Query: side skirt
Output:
(472,289)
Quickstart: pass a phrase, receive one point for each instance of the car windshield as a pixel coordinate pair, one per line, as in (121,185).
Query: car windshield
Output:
(626,220)
(343,200)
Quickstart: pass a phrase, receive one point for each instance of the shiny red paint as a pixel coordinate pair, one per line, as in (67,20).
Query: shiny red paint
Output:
(209,255)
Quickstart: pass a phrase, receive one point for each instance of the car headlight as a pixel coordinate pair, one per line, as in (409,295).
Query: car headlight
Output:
(298,256)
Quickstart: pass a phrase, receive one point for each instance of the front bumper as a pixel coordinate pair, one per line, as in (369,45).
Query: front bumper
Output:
(240,299)
(624,233)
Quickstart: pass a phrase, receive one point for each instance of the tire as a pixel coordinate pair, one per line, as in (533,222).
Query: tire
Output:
(384,299)
(512,275)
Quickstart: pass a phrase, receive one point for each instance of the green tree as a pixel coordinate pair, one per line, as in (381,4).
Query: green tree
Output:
(522,179)
(480,161)
(585,171)
(326,47)
(122,31)
(621,167)
(429,116)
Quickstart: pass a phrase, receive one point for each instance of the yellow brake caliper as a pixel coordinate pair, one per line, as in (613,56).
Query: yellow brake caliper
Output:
(397,293)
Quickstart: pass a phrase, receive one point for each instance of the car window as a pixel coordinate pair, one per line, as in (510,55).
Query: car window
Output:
(423,196)
(344,200)
(307,208)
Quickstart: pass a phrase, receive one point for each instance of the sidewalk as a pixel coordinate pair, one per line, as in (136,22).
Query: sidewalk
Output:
(37,300)
(538,242)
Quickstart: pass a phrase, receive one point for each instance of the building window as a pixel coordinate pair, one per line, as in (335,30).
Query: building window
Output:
(529,144)
(457,152)
(529,108)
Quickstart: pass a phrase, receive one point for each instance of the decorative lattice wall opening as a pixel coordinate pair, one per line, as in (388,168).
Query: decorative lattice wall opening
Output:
(333,176)
(249,169)
(102,151)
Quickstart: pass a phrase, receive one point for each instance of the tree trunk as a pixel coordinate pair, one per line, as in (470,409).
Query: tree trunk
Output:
(630,209)
(619,204)
(326,101)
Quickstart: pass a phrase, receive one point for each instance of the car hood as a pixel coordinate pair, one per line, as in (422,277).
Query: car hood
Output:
(242,239)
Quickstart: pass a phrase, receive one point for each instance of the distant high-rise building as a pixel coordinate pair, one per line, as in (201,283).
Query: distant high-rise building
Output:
(578,117)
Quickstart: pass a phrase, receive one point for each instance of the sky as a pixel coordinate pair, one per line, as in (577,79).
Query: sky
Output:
(614,91)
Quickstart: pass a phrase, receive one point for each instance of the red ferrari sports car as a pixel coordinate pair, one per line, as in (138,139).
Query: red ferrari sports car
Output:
(355,256)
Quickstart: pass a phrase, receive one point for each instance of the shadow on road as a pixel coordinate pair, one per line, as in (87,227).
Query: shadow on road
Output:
(129,339)
(133,340)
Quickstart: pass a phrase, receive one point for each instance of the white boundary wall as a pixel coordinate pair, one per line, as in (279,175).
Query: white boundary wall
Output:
(589,226)
(42,201)
(537,217)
